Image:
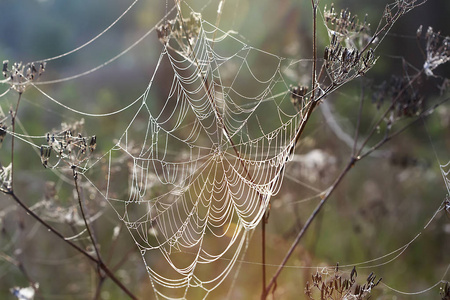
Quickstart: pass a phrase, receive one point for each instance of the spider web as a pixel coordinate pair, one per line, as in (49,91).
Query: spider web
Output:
(203,165)
(193,172)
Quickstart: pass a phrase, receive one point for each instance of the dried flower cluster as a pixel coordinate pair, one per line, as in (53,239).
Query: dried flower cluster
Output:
(331,287)
(405,93)
(70,147)
(180,29)
(20,75)
(437,50)
(404,97)
(343,63)
(347,27)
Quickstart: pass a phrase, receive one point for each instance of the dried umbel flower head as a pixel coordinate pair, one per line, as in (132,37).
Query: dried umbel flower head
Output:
(344,63)
(20,75)
(347,27)
(68,147)
(404,97)
(437,50)
(181,29)
(337,286)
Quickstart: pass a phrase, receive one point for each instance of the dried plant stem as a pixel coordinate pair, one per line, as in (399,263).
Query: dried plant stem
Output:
(11,193)
(99,288)
(330,190)
(73,245)
(83,214)
(219,15)
(101,275)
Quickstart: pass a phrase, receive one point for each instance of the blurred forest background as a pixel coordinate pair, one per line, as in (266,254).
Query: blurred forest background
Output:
(383,203)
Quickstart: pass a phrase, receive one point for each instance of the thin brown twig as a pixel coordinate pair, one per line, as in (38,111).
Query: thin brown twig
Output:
(83,214)
(73,245)
(10,191)
(330,190)
(312,105)
(314,4)
(99,288)
(100,274)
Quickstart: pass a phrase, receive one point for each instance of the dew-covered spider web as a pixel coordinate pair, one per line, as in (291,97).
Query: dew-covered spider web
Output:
(195,168)
(194,171)
(203,165)
(204,149)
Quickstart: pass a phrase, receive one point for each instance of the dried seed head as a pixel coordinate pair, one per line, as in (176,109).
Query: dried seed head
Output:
(93,143)
(338,287)
(437,51)
(46,151)
(21,75)
(69,148)
(184,31)
(2,133)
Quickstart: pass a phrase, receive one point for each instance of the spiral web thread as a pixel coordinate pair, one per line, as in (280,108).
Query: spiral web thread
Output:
(208,161)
